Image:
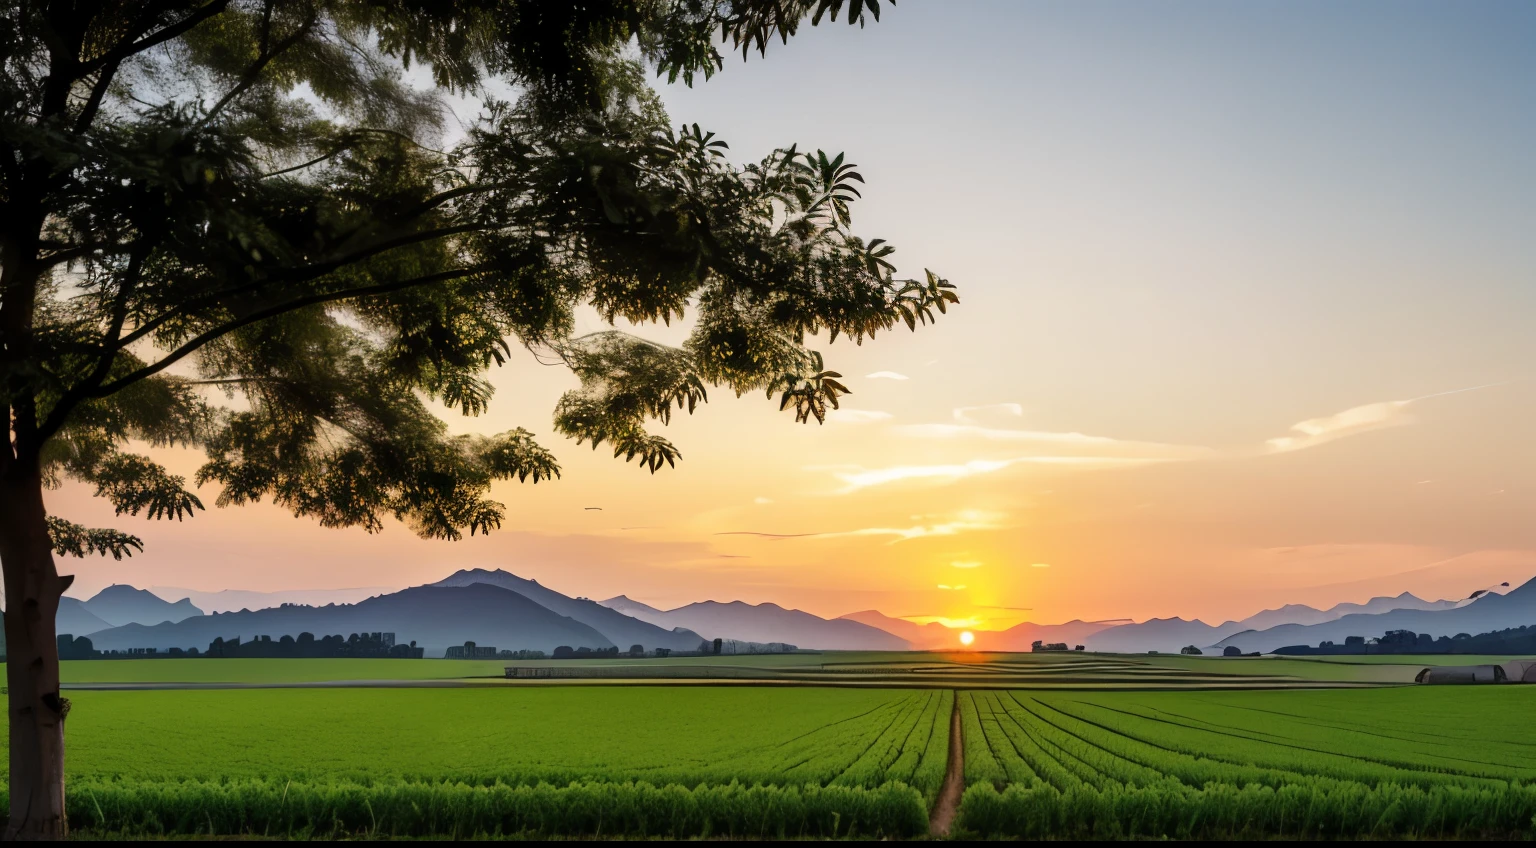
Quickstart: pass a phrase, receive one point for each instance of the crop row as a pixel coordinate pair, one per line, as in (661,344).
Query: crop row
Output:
(384,810)
(1067,742)
(1340,810)
(1188,765)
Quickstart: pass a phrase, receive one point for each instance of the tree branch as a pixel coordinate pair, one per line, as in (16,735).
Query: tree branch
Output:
(273,311)
(253,73)
(296,275)
(161,36)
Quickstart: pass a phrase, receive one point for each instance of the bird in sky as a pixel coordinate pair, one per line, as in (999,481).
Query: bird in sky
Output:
(598,508)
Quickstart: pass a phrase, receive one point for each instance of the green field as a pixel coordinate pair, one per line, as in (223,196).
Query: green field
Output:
(922,669)
(508,760)
(1387,762)
(557,735)
(802,745)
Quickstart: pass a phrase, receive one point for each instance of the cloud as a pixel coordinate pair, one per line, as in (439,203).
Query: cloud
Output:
(864,478)
(1353,421)
(761,501)
(961,522)
(857,416)
(1356,420)
(965,565)
(971,414)
(885,375)
(1039,565)
(952,588)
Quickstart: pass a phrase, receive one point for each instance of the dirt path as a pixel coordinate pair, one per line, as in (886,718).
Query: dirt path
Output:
(948,803)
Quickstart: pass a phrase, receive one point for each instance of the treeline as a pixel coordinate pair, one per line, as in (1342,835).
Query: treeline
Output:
(1514,640)
(306,646)
(356,646)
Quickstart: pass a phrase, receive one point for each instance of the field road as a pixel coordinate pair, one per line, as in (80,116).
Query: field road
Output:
(948,802)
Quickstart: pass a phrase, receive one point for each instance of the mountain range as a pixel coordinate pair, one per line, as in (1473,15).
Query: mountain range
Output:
(618,628)
(1168,635)
(1485,612)
(121,604)
(497,607)
(764,623)
(434,617)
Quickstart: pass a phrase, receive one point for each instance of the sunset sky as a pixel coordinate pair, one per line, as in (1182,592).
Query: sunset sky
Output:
(1247,298)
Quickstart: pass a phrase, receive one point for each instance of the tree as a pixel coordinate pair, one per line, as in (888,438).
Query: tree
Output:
(255,201)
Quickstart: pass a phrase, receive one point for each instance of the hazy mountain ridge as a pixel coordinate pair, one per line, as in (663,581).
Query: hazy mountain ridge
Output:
(121,604)
(1487,612)
(765,623)
(619,628)
(435,617)
(75,619)
(233,600)
(923,637)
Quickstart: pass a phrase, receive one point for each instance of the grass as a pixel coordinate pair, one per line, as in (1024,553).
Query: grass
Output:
(515,736)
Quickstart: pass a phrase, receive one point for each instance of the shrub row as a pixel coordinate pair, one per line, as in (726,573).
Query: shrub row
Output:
(1329,810)
(290,809)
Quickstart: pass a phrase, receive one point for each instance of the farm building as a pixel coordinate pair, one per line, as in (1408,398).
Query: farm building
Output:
(1514,671)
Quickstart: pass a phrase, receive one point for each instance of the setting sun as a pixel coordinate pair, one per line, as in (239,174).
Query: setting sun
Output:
(967,637)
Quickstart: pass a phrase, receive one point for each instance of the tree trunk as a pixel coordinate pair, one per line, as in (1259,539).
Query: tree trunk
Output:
(32,591)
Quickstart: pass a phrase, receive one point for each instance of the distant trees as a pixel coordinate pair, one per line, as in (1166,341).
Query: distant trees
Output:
(355,646)
(1514,640)
(1040,645)
(637,650)
(1231,651)
(1191,650)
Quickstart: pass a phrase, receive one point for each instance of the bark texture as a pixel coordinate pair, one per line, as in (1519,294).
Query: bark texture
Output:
(32,590)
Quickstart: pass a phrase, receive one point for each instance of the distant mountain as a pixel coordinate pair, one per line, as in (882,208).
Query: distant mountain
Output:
(1164,635)
(1302,614)
(121,604)
(75,619)
(635,609)
(616,625)
(231,600)
(435,617)
(766,623)
(932,636)
(1489,611)
(1021,636)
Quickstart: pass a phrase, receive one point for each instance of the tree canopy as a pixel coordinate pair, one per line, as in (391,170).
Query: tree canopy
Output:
(240,226)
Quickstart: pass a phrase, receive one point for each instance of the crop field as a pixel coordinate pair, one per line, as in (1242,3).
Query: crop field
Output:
(802,745)
(687,762)
(1395,762)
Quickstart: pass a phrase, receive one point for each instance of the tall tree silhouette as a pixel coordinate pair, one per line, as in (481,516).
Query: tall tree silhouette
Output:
(252,200)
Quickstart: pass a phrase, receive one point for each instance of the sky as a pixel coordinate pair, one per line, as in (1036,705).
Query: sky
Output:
(1246,293)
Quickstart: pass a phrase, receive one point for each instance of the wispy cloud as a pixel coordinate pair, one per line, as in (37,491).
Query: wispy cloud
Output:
(1356,420)
(952,588)
(885,375)
(857,416)
(1353,421)
(969,414)
(961,522)
(864,478)
(1039,565)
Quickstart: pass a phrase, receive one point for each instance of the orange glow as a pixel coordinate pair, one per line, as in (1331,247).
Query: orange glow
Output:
(967,637)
